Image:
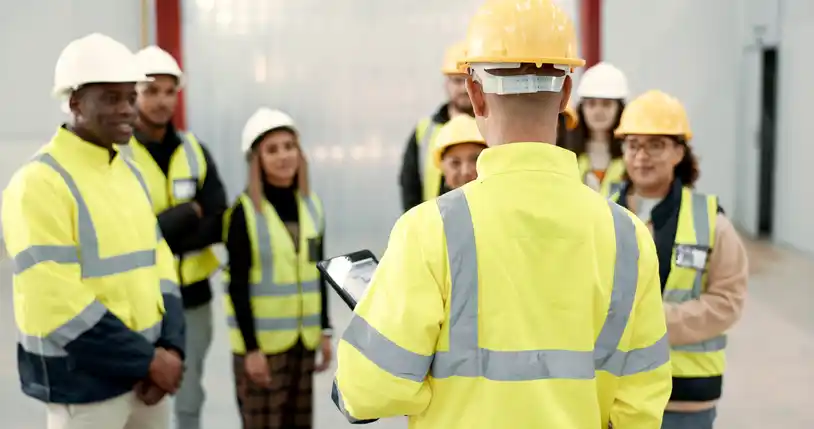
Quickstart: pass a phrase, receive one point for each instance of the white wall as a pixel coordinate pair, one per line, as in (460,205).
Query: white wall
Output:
(691,49)
(31,38)
(794,200)
(356,74)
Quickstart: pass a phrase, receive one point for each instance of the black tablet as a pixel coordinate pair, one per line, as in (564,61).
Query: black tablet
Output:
(350,274)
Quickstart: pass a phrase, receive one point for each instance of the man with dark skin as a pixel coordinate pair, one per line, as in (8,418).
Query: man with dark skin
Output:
(104,114)
(189,200)
(97,303)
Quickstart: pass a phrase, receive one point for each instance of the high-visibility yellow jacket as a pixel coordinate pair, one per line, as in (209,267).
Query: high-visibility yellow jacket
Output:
(186,175)
(611,181)
(94,286)
(283,278)
(521,300)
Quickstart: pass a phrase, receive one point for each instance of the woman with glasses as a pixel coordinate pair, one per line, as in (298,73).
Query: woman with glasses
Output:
(703,264)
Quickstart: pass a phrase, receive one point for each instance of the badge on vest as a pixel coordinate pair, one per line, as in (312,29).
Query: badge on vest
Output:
(689,256)
(314,249)
(184,189)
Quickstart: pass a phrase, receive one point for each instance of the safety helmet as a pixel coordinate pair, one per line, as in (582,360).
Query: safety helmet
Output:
(571,118)
(505,34)
(154,61)
(460,129)
(453,58)
(95,58)
(654,113)
(261,122)
(603,81)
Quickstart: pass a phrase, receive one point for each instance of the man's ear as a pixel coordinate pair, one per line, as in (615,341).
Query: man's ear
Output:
(566,92)
(476,96)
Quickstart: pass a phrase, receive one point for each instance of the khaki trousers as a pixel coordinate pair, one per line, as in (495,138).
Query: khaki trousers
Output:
(122,412)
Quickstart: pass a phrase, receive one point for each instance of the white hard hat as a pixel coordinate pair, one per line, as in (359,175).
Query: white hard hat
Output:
(603,81)
(261,122)
(154,60)
(95,58)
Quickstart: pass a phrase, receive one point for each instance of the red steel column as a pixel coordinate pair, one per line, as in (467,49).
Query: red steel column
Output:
(168,37)
(591,29)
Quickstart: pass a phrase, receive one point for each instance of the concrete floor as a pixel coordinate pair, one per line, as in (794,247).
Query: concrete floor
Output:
(769,384)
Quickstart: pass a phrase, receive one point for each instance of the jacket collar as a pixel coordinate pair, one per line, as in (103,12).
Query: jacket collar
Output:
(527,156)
(85,151)
(663,210)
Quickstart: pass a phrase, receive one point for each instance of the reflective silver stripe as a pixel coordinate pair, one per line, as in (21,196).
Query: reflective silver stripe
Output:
(314,213)
(170,288)
(625,281)
(140,179)
(336,395)
(713,345)
(283,289)
(153,333)
(677,295)
(191,155)
(54,343)
(37,254)
(386,354)
(279,323)
(466,358)
(92,264)
(700,218)
(424,148)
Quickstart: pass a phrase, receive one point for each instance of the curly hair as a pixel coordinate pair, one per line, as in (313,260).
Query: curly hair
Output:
(578,139)
(687,169)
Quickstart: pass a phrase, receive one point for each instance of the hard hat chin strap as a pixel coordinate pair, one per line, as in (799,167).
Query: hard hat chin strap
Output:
(516,84)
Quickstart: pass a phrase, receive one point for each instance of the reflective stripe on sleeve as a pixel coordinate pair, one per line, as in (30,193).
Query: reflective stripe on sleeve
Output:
(171,288)
(54,343)
(466,358)
(43,253)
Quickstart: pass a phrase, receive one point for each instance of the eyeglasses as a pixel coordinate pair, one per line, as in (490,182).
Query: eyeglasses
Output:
(651,148)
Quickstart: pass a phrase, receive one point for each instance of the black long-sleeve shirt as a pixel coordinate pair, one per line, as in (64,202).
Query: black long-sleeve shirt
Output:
(180,225)
(284,202)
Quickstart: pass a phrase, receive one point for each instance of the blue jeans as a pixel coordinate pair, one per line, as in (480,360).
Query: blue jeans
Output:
(688,420)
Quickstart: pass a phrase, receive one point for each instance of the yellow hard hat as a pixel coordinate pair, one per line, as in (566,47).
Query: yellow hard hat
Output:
(453,58)
(522,31)
(571,118)
(460,129)
(654,113)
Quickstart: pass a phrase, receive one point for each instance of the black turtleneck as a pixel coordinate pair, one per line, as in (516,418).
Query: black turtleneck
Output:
(284,201)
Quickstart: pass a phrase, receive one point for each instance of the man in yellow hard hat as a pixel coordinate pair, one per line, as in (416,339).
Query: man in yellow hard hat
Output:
(189,200)
(523,299)
(420,179)
(96,299)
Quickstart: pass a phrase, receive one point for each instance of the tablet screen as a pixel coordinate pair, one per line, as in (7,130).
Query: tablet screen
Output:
(352,276)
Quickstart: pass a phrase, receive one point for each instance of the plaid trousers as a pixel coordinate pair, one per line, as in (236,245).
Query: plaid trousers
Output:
(288,403)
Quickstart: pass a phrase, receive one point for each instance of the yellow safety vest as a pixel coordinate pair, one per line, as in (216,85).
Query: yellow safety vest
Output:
(694,240)
(185,177)
(425,134)
(283,280)
(688,280)
(614,175)
(112,256)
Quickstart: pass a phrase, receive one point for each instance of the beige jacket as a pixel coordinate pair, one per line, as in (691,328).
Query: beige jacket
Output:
(719,307)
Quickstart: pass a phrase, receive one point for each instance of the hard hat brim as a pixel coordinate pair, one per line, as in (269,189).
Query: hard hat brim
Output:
(571,62)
